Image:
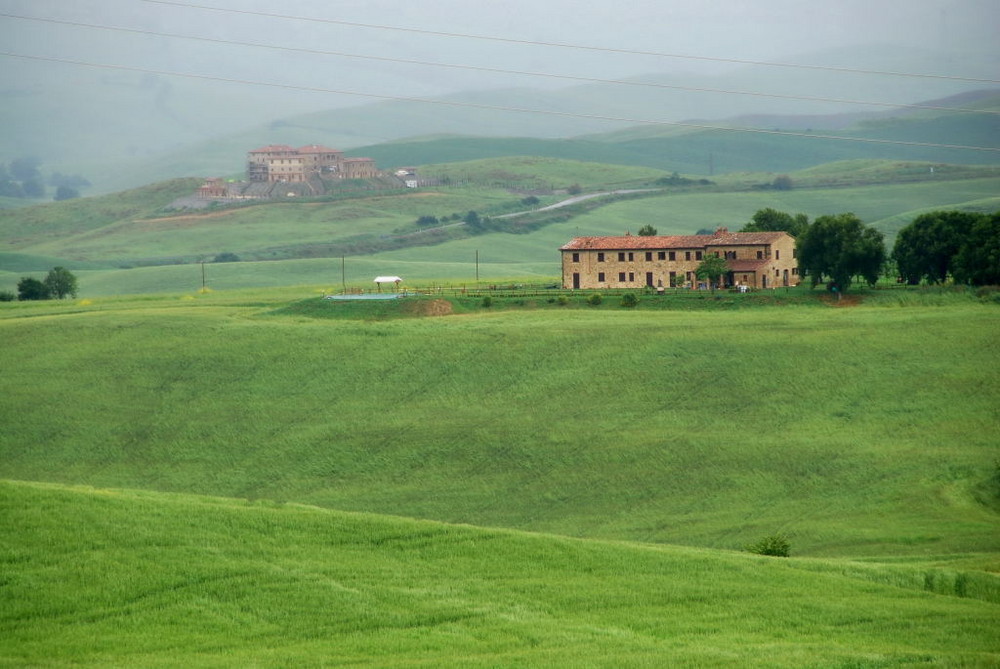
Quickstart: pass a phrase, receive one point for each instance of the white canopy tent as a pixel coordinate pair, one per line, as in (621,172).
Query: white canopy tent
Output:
(379,280)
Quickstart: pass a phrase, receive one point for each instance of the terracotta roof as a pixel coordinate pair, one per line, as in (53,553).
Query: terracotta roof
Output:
(746,238)
(274,148)
(637,242)
(633,242)
(316,148)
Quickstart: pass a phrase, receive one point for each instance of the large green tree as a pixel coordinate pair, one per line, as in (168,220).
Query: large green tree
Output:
(29,288)
(711,268)
(841,247)
(978,260)
(926,248)
(60,283)
(772,220)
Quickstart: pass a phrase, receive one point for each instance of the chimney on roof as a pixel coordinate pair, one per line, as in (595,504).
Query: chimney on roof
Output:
(722,231)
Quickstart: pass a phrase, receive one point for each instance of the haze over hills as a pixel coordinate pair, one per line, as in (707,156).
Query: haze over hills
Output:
(122,129)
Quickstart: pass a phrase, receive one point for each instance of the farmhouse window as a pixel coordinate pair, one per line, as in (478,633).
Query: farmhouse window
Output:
(621,277)
(630,257)
(576,257)
(673,255)
(697,255)
(777,254)
(687,255)
(621,256)
(760,255)
(661,255)
(600,257)
(600,277)
(649,256)
(631,277)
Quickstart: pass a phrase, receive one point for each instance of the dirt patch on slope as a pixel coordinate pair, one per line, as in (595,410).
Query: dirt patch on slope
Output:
(429,308)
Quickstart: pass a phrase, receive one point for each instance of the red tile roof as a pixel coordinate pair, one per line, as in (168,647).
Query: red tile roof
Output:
(638,242)
(634,242)
(316,148)
(274,148)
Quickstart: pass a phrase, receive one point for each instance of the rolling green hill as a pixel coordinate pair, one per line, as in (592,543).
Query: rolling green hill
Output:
(831,425)
(303,241)
(123,578)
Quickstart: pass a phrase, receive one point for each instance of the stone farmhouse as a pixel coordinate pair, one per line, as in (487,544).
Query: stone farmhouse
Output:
(754,259)
(281,163)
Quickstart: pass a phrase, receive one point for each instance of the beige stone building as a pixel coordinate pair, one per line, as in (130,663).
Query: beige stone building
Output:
(754,260)
(283,163)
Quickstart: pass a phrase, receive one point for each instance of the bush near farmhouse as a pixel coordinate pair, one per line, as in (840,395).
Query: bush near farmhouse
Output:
(594,299)
(630,300)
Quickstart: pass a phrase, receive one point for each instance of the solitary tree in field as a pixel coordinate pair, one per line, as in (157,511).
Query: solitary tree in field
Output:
(712,269)
(60,282)
(841,247)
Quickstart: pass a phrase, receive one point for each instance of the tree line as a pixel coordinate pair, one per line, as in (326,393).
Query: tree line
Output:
(59,283)
(935,247)
(22,178)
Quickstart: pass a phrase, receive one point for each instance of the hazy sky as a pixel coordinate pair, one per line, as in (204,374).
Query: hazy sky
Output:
(725,29)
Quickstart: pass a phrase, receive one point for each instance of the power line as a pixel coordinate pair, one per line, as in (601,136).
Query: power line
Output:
(521,110)
(475,68)
(581,47)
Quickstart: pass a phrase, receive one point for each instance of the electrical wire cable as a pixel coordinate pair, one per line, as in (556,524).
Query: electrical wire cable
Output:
(582,47)
(493,70)
(520,110)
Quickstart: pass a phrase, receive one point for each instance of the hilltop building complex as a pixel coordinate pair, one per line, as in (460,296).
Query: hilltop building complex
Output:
(284,164)
(754,260)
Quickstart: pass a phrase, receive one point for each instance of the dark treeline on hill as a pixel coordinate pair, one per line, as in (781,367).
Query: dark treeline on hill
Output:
(941,244)
(22,178)
(935,247)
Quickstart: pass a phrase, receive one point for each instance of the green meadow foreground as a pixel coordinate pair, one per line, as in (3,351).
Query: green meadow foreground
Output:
(207,473)
(146,579)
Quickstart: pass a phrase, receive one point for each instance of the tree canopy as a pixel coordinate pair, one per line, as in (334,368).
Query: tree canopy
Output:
(60,283)
(841,247)
(647,231)
(772,220)
(29,288)
(978,260)
(926,248)
(711,268)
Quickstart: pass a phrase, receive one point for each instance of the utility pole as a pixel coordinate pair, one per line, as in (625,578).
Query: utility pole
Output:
(477,267)
(203,276)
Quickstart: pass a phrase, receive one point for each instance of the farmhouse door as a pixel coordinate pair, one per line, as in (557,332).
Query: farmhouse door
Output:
(649,279)
(576,280)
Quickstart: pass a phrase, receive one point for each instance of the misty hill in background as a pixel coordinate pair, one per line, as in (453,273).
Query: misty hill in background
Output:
(122,129)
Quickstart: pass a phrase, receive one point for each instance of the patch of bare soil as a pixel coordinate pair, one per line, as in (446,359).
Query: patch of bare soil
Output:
(843,301)
(429,307)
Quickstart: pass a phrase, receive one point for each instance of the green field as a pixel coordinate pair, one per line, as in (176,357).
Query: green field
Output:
(662,440)
(112,241)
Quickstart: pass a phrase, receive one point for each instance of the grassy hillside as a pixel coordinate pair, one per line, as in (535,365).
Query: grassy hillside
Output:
(97,236)
(865,431)
(123,578)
